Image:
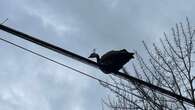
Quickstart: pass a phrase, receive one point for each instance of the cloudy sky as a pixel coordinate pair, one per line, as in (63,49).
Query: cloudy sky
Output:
(28,82)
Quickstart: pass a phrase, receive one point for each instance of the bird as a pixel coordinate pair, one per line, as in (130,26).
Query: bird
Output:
(112,61)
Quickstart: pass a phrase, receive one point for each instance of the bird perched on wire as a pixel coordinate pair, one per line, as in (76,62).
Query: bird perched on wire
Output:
(112,61)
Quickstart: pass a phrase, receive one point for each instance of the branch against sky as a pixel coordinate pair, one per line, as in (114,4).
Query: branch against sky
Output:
(169,66)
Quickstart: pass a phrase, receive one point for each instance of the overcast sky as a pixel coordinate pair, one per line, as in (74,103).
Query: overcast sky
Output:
(28,82)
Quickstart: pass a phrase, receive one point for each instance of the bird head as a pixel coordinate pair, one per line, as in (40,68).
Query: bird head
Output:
(94,55)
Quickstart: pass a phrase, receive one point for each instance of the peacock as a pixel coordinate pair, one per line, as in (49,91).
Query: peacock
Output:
(112,61)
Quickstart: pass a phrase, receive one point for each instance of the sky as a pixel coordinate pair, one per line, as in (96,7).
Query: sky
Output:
(28,82)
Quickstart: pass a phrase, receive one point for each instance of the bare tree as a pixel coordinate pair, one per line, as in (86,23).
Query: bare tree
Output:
(169,66)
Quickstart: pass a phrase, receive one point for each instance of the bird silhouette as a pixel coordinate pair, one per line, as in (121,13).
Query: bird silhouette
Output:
(112,61)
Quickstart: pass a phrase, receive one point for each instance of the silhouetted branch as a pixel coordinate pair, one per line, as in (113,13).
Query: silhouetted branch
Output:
(169,66)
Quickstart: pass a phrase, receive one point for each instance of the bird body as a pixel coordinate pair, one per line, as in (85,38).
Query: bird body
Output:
(112,61)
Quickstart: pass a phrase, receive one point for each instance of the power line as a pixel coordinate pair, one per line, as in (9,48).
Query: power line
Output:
(92,63)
